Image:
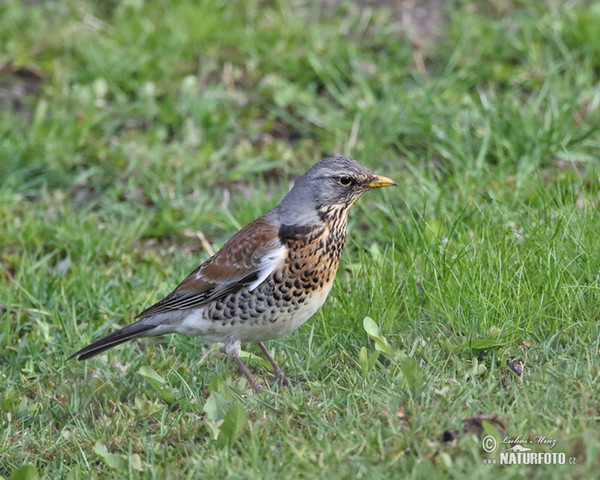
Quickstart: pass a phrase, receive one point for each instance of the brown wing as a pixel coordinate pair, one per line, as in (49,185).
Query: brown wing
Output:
(246,259)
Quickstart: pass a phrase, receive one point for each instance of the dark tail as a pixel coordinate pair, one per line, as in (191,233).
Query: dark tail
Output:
(116,338)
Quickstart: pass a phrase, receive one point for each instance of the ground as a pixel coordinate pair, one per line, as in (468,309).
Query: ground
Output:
(135,137)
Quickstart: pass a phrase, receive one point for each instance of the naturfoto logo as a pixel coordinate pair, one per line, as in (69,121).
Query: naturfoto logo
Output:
(521,454)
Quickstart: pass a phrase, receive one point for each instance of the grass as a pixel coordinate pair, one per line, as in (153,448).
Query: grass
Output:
(128,127)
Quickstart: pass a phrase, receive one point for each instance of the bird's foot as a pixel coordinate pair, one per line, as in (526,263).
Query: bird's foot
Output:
(281,379)
(256,388)
(279,375)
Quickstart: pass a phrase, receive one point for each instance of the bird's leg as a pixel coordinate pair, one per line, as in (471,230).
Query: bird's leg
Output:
(256,388)
(283,382)
(232,348)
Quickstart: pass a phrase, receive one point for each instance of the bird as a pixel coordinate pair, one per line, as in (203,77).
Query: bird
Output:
(269,278)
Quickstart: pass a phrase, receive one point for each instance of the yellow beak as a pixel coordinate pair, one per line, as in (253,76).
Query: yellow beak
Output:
(381,182)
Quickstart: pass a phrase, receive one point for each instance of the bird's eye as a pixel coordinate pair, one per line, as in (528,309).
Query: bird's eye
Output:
(346,181)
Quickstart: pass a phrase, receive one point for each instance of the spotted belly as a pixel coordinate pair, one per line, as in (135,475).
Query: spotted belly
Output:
(270,311)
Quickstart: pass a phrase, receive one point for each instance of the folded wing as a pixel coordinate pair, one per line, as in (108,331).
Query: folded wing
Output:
(246,260)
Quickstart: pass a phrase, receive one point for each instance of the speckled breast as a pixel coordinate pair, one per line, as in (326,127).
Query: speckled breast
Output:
(292,293)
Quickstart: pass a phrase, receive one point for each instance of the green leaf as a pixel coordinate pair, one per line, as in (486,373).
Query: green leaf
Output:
(367,362)
(255,358)
(135,462)
(217,385)
(235,421)
(215,407)
(151,375)
(112,460)
(157,382)
(484,344)
(412,374)
(373,359)
(374,333)
(433,230)
(363,361)
(476,368)
(477,344)
(376,254)
(167,396)
(26,472)
(371,327)
(490,429)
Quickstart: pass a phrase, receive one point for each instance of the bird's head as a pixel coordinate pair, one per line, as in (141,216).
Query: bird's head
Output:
(333,183)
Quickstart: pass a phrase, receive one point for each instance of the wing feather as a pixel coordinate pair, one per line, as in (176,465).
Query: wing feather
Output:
(246,260)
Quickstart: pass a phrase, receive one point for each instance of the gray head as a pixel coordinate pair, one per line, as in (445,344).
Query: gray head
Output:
(336,182)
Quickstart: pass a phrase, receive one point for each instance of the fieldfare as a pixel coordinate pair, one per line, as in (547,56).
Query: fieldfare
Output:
(270,277)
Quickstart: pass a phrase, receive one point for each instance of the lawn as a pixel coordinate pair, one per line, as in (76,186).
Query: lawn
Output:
(137,135)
